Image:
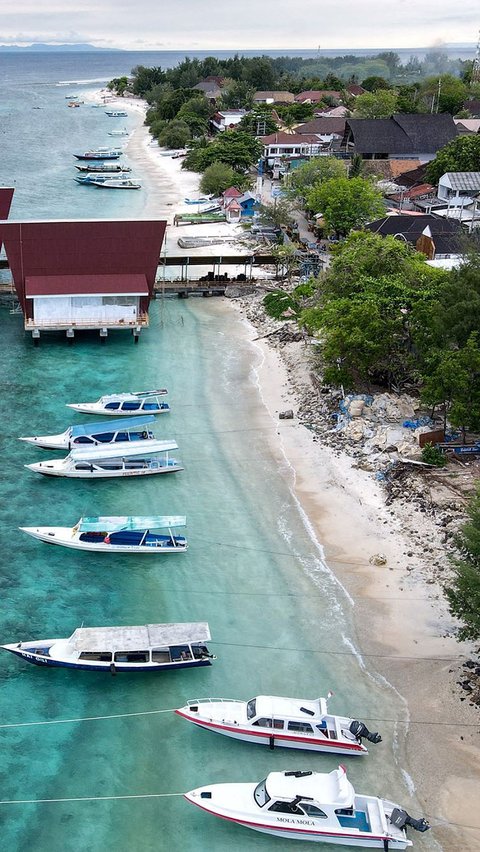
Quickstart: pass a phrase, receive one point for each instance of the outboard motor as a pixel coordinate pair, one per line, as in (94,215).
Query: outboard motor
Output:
(360,731)
(399,818)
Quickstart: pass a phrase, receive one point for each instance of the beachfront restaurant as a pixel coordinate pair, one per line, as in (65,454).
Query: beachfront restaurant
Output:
(84,275)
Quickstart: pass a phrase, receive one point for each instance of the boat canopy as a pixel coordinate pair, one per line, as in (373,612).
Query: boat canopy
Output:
(332,788)
(138,638)
(108,523)
(122,451)
(124,425)
(158,392)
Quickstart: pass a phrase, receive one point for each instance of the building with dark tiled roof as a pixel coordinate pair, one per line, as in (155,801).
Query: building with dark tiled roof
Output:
(416,136)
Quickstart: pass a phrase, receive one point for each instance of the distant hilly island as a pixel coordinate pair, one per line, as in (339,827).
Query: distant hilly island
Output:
(39,47)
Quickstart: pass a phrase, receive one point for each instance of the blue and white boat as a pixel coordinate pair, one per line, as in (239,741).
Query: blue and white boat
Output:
(315,806)
(94,434)
(99,154)
(107,168)
(96,179)
(204,200)
(116,113)
(148,648)
(138,458)
(107,534)
(125,404)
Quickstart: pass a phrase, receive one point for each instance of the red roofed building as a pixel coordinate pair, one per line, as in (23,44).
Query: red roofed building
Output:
(288,146)
(313,96)
(78,275)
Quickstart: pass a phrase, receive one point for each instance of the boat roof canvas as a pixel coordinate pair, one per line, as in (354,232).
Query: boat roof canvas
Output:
(332,788)
(109,523)
(272,705)
(132,395)
(124,425)
(139,638)
(115,451)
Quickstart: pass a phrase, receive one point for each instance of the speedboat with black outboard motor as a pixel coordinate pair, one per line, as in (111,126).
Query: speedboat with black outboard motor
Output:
(322,807)
(283,722)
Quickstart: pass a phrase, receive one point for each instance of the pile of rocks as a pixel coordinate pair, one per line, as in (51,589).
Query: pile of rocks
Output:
(470,682)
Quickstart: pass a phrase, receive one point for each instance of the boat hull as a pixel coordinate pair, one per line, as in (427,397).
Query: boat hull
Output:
(274,739)
(48,662)
(64,537)
(44,470)
(306,829)
(94,408)
(49,442)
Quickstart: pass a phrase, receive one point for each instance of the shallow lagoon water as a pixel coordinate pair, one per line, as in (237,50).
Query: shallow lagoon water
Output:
(277,617)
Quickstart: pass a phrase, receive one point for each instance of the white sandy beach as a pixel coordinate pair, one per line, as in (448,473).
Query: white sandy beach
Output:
(402,622)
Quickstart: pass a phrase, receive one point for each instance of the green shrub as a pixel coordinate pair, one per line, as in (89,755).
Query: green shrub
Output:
(432,455)
(277,302)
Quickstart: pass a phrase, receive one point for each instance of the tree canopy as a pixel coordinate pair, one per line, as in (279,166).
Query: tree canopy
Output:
(460,155)
(346,203)
(463,592)
(312,173)
(218,177)
(378,104)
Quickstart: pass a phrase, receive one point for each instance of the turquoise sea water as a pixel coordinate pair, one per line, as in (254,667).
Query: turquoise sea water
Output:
(280,624)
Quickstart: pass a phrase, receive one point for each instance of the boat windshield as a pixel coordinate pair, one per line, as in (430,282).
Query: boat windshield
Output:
(251,708)
(260,794)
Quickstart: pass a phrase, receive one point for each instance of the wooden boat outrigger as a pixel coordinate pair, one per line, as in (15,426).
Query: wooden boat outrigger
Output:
(152,647)
(96,434)
(125,404)
(109,534)
(137,458)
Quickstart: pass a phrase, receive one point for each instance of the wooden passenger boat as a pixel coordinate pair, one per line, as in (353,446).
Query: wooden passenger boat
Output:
(125,404)
(97,434)
(107,534)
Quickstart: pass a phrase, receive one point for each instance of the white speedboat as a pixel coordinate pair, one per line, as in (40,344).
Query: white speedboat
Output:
(117,534)
(116,113)
(97,434)
(285,722)
(125,404)
(152,647)
(117,183)
(310,806)
(138,458)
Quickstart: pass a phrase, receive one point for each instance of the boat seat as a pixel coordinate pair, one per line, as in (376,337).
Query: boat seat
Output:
(373,814)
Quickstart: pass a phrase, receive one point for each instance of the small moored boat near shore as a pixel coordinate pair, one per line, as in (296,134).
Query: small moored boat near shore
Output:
(116,113)
(107,168)
(113,534)
(125,404)
(100,154)
(117,183)
(138,458)
(311,806)
(148,648)
(95,434)
(285,722)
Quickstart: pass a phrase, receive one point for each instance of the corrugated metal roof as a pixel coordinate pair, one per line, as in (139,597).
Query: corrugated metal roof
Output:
(84,285)
(463,180)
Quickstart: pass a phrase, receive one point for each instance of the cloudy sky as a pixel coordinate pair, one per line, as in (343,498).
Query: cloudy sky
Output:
(227,24)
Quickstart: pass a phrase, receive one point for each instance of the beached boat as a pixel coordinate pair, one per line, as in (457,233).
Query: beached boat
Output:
(95,434)
(285,722)
(125,404)
(311,806)
(116,113)
(108,168)
(204,200)
(147,648)
(109,534)
(99,154)
(138,458)
(117,183)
